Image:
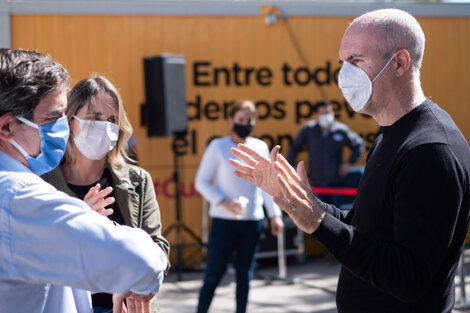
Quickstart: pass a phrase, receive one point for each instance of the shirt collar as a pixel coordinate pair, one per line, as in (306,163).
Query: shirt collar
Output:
(10,164)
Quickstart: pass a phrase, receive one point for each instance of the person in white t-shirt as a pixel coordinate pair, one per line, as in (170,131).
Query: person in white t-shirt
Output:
(236,208)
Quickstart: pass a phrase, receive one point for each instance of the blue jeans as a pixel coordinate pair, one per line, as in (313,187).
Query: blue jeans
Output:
(228,236)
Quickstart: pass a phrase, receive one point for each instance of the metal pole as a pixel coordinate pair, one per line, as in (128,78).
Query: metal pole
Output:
(463,297)
(179,246)
(281,255)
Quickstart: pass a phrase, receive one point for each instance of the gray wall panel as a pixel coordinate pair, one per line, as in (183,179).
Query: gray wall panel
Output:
(228,8)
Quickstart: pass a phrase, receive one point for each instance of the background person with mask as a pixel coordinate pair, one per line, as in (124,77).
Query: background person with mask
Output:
(400,244)
(54,247)
(236,208)
(94,166)
(325,139)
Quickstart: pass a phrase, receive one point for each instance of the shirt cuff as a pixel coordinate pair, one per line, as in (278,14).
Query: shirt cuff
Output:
(334,234)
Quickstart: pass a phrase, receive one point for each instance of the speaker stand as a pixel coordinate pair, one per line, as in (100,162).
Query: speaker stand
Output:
(178,226)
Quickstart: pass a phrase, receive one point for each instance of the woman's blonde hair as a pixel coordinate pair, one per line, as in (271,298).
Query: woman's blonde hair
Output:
(84,93)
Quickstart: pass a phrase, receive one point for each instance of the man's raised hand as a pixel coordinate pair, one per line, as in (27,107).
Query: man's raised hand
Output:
(256,168)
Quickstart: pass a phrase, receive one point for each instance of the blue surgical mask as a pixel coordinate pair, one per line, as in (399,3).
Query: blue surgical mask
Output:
(54,136)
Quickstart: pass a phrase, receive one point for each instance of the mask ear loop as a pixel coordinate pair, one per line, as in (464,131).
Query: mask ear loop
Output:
(27,122)
(17,145)
(385,66)
(19,148)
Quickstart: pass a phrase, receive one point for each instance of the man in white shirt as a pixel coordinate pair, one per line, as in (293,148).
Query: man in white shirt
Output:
(54,249)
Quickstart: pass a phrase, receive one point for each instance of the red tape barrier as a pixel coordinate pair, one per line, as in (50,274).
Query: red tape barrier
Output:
(338,191)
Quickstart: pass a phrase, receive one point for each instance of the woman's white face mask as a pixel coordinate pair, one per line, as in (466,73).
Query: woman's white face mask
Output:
(96,138)
(356,85)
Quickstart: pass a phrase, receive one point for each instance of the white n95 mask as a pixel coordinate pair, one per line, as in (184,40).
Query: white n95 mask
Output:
(355,85)
(96,138)
(326,120)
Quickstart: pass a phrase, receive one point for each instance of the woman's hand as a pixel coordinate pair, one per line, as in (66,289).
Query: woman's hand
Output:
(135,303)
(233,206)
(95,198)
(276,225)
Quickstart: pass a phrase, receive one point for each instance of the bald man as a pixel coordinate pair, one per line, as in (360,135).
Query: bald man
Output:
(400,244)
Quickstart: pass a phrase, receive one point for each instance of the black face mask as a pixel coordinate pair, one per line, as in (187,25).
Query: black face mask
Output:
(241,130)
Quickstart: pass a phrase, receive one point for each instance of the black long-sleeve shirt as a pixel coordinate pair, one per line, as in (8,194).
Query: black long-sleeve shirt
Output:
(325,150)
(400,244)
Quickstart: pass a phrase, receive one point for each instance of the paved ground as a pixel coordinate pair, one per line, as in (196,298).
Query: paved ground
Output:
(310,287)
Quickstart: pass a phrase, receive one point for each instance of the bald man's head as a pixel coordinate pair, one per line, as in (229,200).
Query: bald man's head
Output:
(394,29)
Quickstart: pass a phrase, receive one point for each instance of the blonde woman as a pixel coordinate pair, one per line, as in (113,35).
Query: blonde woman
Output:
(94,167)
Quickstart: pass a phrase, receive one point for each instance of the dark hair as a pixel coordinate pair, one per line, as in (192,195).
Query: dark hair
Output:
(83,94)
(322,103)
(27,77)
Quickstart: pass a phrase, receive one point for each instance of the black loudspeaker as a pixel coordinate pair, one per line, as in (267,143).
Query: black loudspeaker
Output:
(165,94)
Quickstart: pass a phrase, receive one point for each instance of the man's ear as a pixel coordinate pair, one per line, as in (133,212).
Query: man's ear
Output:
(8,123)
(403,59)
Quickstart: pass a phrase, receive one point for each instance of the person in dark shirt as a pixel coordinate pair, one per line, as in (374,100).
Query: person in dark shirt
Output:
(325,139)
(400,244)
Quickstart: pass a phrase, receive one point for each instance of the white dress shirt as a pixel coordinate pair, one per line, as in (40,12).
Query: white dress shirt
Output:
(215,181)
(54,247)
